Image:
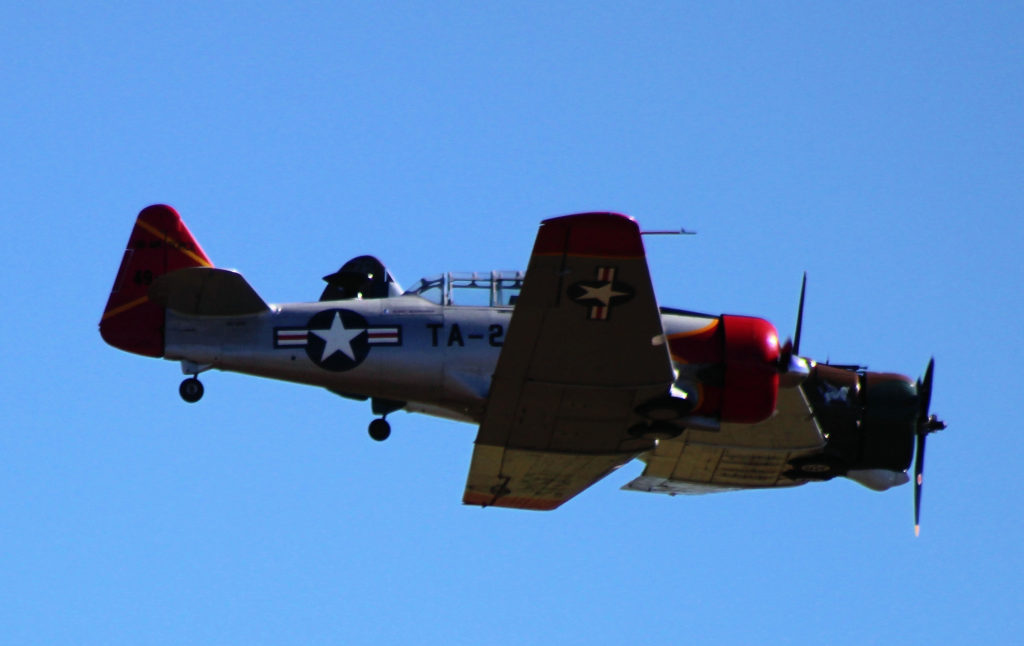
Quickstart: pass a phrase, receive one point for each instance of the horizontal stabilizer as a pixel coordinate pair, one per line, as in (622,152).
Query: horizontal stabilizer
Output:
(206,291)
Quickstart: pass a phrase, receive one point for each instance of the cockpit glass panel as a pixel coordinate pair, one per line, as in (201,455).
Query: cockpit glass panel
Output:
(471,289)
(430,288)
(507,286)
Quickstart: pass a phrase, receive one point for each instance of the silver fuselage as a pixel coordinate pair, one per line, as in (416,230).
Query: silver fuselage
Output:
(438,359)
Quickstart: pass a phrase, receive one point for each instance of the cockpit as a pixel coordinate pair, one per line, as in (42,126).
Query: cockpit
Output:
(474,289)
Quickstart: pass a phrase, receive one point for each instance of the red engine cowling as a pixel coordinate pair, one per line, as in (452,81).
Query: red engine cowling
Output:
(736,362)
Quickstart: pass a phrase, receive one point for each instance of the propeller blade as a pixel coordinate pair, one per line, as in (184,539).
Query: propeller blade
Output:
(800,316)
(926,424)
(924,391)
(918,481)
(791,365)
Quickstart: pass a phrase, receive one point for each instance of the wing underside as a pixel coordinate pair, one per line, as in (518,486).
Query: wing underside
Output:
(582,352)
(739,456)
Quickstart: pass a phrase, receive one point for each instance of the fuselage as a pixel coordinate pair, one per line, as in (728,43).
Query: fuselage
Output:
(436,359)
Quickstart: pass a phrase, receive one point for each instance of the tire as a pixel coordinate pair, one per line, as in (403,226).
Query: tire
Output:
(380,430)
(191,390)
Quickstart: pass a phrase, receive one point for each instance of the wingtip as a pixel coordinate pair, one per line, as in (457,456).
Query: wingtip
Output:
(590,234)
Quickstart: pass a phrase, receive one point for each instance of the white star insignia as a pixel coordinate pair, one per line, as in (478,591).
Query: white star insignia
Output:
(832,393)
(604,293)
(337,339)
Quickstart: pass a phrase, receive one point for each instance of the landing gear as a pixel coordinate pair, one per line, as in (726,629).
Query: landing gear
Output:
(191,390)
(380,430)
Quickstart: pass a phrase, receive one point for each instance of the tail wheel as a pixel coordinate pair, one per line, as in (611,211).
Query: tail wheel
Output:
(191,390)
(380,430)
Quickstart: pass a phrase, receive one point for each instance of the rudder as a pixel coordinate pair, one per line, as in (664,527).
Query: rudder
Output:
(159,243)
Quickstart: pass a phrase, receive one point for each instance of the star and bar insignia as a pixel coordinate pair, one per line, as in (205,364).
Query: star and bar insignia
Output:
(337,339)
(600,295)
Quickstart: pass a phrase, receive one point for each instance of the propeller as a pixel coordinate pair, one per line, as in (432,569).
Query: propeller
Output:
(800,315)
(790,362)
(925,424)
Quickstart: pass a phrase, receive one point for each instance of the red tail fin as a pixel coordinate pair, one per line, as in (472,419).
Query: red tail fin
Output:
(159,243)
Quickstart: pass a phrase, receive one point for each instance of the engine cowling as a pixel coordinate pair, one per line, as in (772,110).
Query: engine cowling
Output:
(732,363)
(869,417)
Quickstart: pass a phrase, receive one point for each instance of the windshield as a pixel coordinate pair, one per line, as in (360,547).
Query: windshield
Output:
(475,289)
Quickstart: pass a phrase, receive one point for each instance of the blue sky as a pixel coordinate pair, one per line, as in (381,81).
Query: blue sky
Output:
(875,145)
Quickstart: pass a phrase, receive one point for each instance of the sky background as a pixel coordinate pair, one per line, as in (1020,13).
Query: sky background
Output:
(878,146)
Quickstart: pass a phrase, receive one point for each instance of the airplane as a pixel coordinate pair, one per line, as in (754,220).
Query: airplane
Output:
(570,369)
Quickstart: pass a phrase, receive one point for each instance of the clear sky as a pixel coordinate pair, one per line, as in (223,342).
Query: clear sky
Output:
(877,145)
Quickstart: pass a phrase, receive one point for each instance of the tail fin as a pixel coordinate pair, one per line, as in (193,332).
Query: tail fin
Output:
(159,243)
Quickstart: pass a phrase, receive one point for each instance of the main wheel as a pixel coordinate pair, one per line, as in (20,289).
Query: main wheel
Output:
(380,430)
(191,390)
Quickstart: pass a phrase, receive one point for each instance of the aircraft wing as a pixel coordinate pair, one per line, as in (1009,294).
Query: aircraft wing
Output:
(583,349)
(739,456)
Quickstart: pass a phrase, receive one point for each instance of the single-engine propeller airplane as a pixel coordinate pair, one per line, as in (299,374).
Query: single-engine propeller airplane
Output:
(570,369)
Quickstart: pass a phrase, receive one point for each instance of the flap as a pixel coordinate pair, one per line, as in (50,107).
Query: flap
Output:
(206,291)
(582,352)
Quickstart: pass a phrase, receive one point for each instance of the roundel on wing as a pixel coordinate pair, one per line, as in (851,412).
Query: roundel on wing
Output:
(601,294)
(597,292)
(337,340)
